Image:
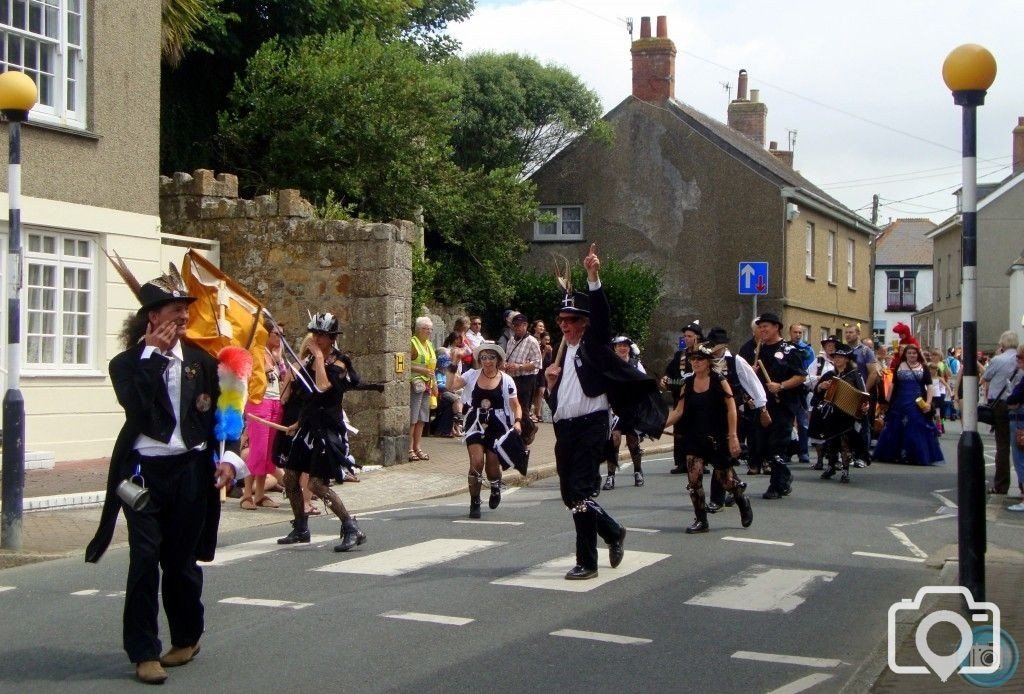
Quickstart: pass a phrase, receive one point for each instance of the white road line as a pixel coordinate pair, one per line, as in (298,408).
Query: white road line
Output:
(943,491)
(944,500)
(802,684)
(598,636)
(90,591)
(763,589)
(643,530)
(906,542)
(259,602)
(788,659)
(754,540)
(6,588)
(924,520)
(96,591)
(424,617)
(402,560)
(990,457)
(483,522)
(876,555)
(392,510)
(551,575)
(245,550)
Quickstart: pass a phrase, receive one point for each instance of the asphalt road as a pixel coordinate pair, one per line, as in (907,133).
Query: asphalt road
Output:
(484,607)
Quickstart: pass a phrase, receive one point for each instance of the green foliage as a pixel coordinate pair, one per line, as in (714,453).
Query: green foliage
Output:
(516,112)
(182,20)
(424,277)
(343,112)
(332,208)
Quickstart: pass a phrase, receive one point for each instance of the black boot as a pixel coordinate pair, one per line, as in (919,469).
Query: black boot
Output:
(609,482)
(495,497)
(474,507)
(746,512)
(299,533)
(351,536)
(699,525)
(638,479)
(829,473)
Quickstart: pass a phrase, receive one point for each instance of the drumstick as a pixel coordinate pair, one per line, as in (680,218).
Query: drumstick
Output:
(760,365)
(265,422)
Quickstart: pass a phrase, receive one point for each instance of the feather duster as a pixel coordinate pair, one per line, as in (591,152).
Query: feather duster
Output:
(233,372)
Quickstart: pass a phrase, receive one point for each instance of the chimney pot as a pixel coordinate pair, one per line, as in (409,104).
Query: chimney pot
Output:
(772,146)
(749,117)
(1018,146)
(662,27)
(645,27)
(741,87)
(755,95)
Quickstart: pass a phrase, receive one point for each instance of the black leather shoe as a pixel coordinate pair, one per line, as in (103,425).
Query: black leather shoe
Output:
(495,498)
(729,499)
(746,512)
(609,483)
(578,573)
(616,551)
(299,534)
(677,470)
(771,494)
(638,479)
(818,466)
(713,507)
(828,474)
(698,526)
(845,477)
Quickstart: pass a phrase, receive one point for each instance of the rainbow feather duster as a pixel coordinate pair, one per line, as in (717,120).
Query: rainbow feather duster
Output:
(234,368)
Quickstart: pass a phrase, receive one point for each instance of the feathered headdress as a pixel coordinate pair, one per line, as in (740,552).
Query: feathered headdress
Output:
(155,293)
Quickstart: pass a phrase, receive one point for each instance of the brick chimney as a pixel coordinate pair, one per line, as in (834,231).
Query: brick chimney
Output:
(654,63)
(783,155)
(1018,146)
(748,117)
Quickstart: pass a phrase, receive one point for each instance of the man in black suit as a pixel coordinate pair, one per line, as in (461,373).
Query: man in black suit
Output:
(582,384)
(169,394)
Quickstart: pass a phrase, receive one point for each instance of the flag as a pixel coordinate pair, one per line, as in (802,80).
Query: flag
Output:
(224,314)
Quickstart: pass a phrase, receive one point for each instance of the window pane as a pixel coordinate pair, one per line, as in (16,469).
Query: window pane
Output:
(34,243)
(49,324)
(571,213)
(82,306)
(547,228)
(74,29)
(48,350)
(13,50)
(46,61)
(5,14)
(83,249)
(19,14)
(83,350)
(35,18)
(69,246)
(571,228)
(31,51)
(49,244)
(34,350)
(35,322)
(894,284)
(82,325)
(52,22)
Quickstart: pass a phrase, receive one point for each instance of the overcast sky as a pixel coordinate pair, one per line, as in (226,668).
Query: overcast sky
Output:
(824,70)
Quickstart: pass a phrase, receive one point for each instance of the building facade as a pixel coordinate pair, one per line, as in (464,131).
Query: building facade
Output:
(903,275)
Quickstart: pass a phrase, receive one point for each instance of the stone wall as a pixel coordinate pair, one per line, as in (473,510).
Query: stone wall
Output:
(360,272)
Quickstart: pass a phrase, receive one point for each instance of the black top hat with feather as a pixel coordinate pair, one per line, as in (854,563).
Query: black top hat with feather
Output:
(158,292)
(573,302)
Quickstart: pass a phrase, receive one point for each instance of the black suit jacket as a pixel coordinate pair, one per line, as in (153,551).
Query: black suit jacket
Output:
(141,391)
(601,371)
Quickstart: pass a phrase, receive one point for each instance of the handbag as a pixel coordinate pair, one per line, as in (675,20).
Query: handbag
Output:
(986,411)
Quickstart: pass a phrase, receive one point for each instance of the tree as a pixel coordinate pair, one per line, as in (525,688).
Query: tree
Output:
(516,112)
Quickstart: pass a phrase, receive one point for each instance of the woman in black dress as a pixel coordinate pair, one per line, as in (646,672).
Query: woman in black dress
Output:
(319,439)
(842,442)
(622,423)
(707,413)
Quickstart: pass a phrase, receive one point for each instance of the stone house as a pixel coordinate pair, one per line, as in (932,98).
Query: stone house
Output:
(1000,240)
(903,275)
(694,197)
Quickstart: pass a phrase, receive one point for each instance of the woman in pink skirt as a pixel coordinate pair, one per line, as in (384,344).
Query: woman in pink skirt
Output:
(261,437)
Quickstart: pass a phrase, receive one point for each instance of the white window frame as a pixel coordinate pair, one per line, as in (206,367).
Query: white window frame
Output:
(809,251)
(49,28)
(62,261)
(851,249)
(831,249)
(540,228)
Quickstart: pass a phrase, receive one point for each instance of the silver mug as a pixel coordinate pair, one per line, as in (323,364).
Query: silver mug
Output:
(135,496)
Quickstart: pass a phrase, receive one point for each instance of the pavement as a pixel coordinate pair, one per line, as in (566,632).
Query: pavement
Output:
(63,507)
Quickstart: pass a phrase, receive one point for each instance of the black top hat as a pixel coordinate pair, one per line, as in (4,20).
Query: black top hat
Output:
(833,339)
(694,327)
(323,323)
(842,350)
(160,292)
(703,351)
(576,303)
(769,318)
(718,336)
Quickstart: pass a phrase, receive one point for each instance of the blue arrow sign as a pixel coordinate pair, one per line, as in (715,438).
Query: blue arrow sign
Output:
(753,278)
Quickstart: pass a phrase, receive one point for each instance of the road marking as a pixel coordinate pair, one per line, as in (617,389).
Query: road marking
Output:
(924,520)
(643,530)
(802,684)
(889,556)
(906,542)
(97,591)
(944,500)
(6,588)
(598,636)
(245,550)
(259,602)
(483,522)
(402,560)
(91,591)
(754,540)
(392,510)
(788,659)
(424,617)
(763,589)
(551,575)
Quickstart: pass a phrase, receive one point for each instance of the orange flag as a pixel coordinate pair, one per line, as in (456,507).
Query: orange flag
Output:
(223,314)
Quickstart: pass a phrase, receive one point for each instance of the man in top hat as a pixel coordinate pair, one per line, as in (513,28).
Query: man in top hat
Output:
(691,335)
(779,366)
(169,394)
(586,379)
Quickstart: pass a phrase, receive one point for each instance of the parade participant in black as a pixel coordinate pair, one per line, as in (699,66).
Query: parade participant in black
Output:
(707,413)
(748,394)
(780,368)
(584,381)
(821,366)
(169,393)
(752,422)
(678,366)
(320,439)
(490,399)
(842,442)
(622,423)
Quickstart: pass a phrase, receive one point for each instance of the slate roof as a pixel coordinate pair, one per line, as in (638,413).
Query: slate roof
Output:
(904,242)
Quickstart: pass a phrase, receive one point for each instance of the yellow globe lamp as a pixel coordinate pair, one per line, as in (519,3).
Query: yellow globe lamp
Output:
(18,94)
(969,67)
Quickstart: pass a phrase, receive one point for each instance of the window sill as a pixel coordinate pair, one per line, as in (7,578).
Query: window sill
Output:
(852,289)
(558,239)
(58,373)
(812,278)
(832,284)
(77,132)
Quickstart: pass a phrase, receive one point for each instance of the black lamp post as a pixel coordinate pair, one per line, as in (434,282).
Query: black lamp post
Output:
(969,71)
(17,96)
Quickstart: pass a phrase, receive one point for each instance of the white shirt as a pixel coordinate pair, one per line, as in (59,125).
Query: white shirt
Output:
(172,377)
(572,401)
(474,339)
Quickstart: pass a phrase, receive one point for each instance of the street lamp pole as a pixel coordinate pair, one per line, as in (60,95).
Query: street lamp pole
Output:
(17,96)
(969,71)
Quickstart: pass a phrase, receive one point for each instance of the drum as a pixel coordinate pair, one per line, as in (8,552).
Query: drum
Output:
(845,397)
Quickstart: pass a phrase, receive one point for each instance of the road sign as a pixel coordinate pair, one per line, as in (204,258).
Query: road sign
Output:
(753,278)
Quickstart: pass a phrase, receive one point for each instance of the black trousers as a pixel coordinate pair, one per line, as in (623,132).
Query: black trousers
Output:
(162,538)
(579,450)
(773,442)
(526,386)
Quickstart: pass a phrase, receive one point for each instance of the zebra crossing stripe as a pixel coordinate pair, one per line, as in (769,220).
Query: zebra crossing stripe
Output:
(402,560)
(245,550)
(6,588)
(259,602)
(763,589)
(787,659)
(424,617)
(802,684)
(599,636)
(483,522)
(551,575)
